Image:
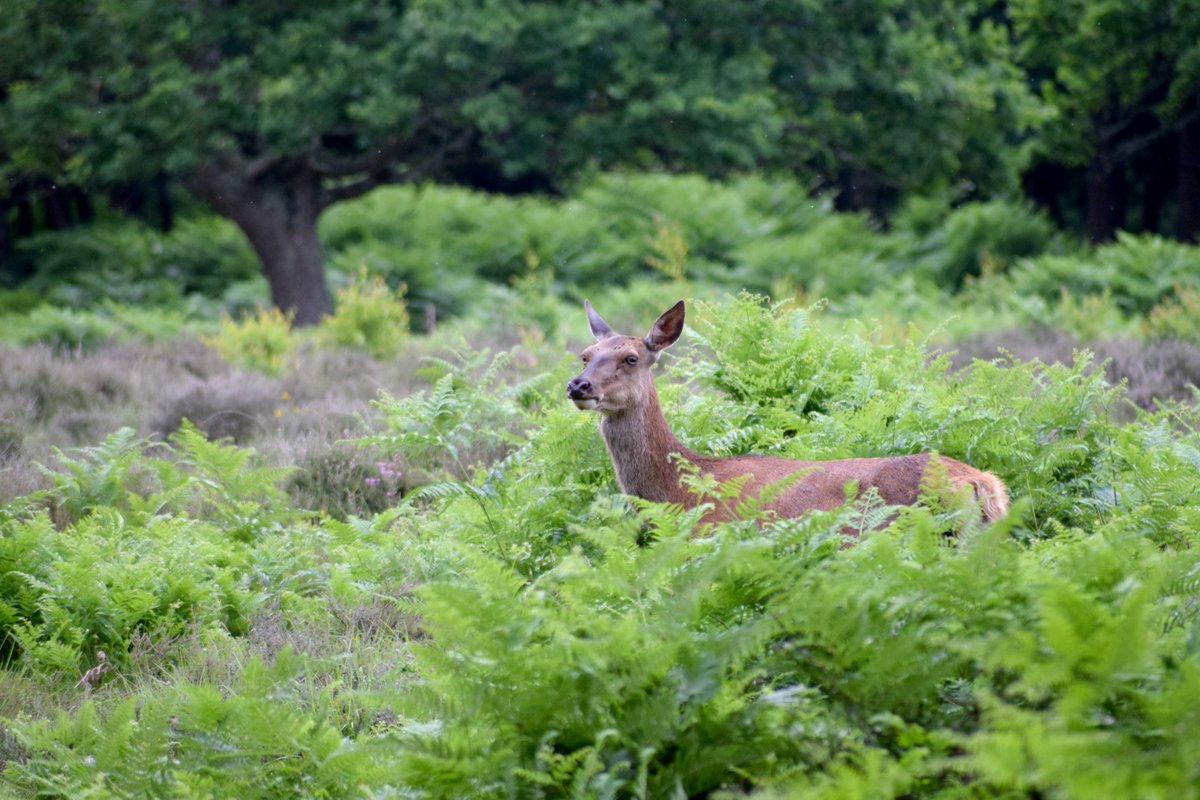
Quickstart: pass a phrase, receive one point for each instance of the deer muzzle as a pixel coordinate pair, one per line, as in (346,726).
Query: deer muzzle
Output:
(579,390)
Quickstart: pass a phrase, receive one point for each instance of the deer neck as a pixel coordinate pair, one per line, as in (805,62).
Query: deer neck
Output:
(643,451)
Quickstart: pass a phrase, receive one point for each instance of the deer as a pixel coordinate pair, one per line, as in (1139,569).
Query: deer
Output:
(650,461)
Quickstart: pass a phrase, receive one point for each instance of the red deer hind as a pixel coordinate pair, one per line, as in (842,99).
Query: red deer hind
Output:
(616,381)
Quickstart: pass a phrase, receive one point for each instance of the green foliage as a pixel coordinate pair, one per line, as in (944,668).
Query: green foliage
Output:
(886,102)
(433,240)
(272,738)
(95,96)
(462,421)
(262,342)
(441,242)
(204,255)
(130,263)
(578,707)
(983,237)
(160,544)
(71,329)
(572,647)
(369,316)
(1101,65)
(976,267)
(836,255)
(58,327)
(108,580)
(1176,317)
(619,674)
(1138,271)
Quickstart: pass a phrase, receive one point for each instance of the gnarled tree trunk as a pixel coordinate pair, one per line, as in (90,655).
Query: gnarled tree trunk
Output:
(277,208)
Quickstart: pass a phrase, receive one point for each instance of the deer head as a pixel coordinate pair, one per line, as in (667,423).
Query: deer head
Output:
(616,369)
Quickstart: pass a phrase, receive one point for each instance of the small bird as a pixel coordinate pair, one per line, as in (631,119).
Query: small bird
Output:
(93,674)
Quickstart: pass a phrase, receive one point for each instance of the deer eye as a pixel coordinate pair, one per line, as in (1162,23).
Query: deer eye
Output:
(631,360)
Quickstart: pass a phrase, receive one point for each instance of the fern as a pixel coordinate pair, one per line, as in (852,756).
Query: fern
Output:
(98,476)
(544,636)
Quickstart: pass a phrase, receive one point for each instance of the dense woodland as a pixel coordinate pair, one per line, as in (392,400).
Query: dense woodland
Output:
(292,503)
(268,114)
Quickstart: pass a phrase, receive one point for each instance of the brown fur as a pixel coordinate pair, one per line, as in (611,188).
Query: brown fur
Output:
(617,382)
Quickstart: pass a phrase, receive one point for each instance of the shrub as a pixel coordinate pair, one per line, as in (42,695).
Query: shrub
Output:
(629,673)
(151,544)
(105,580)
(1176,317)
(120,266)
(368,316)
(1138,271)
(205,255)
(438,242)
(87,329)
(270,739)
(262,342)
(837,255)
(18,301)
(130,263)
(344,480)
(1090,317)
(981,237)
(59,327)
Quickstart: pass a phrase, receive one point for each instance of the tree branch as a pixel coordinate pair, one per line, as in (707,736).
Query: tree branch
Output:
(348,191)
(385,173)
(255,167)
(330,165)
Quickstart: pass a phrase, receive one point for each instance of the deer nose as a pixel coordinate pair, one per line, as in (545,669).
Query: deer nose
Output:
(578,387)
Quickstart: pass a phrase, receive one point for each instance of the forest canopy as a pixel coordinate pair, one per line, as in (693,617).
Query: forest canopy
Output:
(271,113)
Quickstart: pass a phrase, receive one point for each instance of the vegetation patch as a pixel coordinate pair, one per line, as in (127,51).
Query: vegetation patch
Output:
(505,623)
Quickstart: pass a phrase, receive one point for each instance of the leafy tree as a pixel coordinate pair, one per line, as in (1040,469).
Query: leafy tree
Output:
(272,112)
(889,98)
(1120,77)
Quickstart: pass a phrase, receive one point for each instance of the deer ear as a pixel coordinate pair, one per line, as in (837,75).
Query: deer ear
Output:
(600,328)
(666,329)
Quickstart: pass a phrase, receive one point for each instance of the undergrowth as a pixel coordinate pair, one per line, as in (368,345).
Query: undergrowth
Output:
(553,640)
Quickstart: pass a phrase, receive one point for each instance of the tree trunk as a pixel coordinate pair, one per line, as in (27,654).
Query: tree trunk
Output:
(166,211)
(278,213)
(85,212)
(859,190)
(25,221)
(1187,226)
(1106,195)
(54,207)
(5,237)
(285,238)
(1161,173)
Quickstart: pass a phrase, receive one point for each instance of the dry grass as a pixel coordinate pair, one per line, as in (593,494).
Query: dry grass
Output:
(303,417)
(1161,370)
